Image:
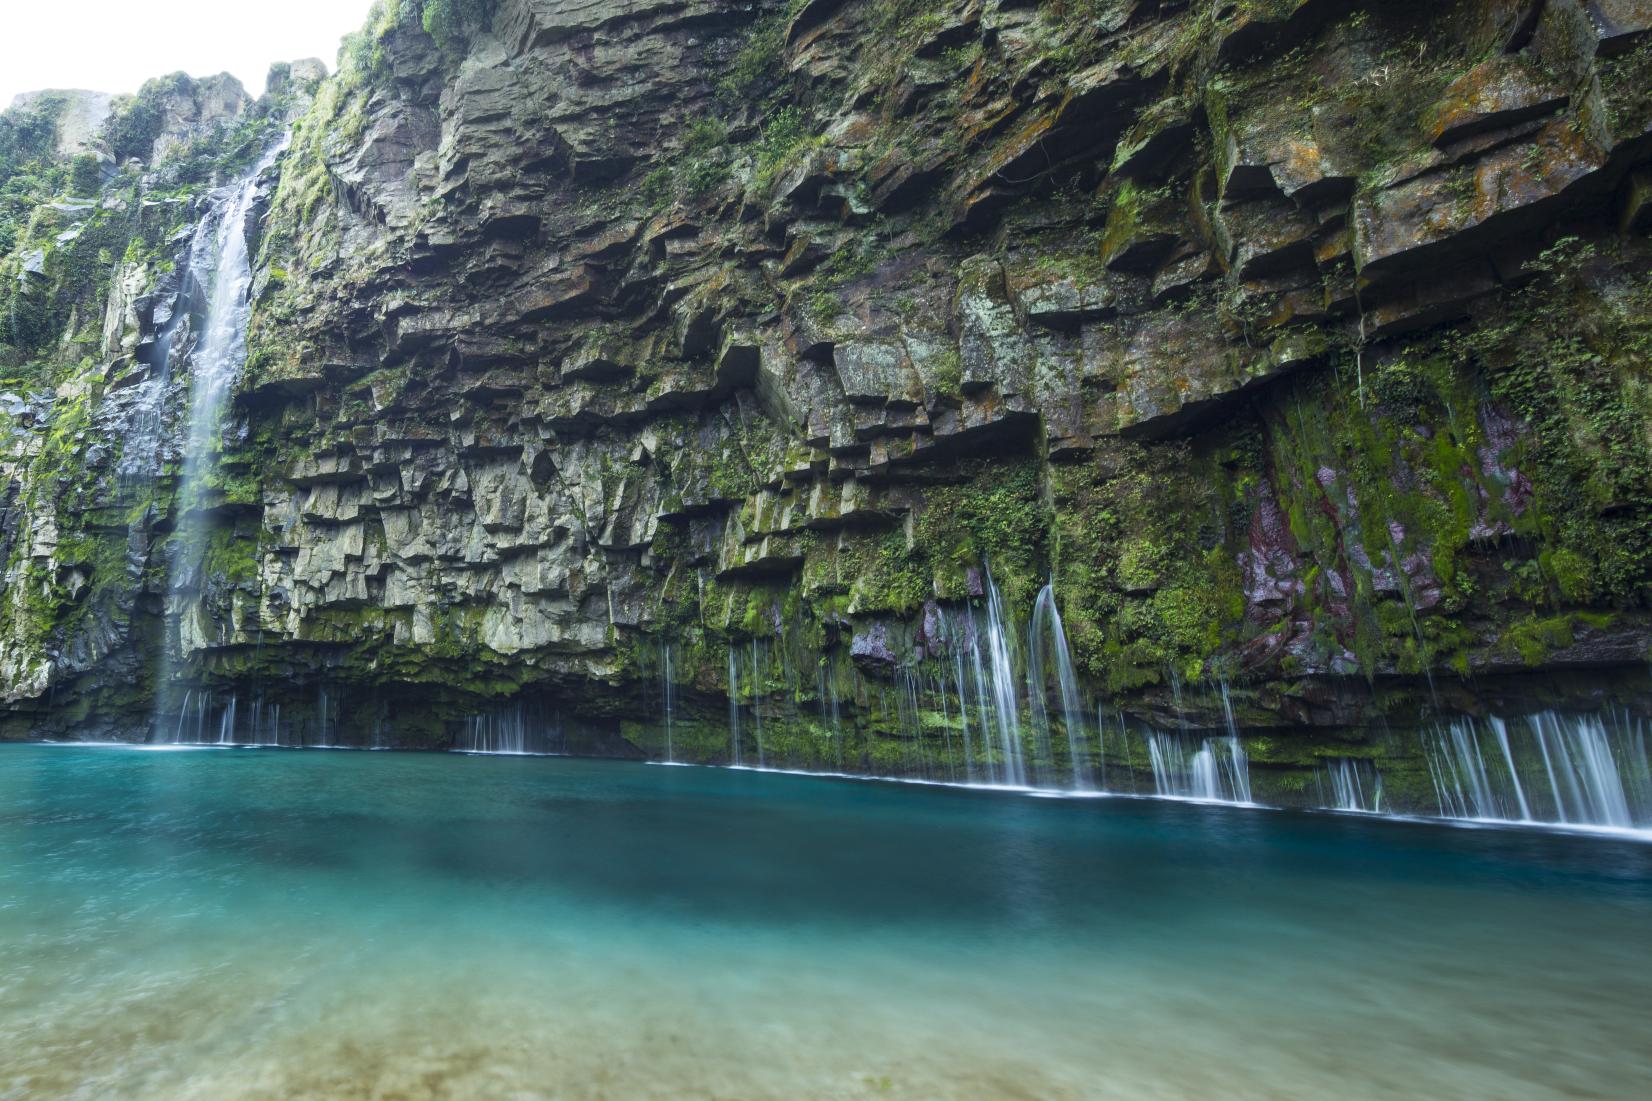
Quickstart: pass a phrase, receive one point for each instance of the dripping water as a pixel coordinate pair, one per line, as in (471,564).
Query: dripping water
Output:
(1552,768)
(734,704)
(512,729)
(668,700)
(1047,627)
(1350,784)
(1214,770)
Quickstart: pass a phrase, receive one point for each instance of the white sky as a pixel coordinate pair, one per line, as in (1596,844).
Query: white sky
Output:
(115,45)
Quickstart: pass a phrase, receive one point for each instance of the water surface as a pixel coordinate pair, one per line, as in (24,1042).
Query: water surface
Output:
(237,924)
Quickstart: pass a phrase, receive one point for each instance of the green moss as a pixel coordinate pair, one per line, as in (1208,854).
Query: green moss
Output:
(946,373)
(451,23)
(892,578)
(1623,84)
(758,63)
(1144,592)
(135,124)
(1533,639)
(1565,356)
(1137,211)
(783,139)
(232,555)
(996,519)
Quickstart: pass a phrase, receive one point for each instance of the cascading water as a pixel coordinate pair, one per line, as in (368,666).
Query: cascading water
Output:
(1346,783)
(1227,710)
(208,720)
(1553,768)
(325,720)
(975,687)
(1048,645)
(266,725)
(759,664)
(1585,778)
(1120,737)
(1500,730)
(1461,783)
(512,729)
(1005,713)
(959,716)
(734,706)
(754,658)
(827,690)
(909,708)
(668,699)
(219,267)
(1212,770)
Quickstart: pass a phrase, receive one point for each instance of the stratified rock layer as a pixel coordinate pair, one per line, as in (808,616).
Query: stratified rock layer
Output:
(1302,345)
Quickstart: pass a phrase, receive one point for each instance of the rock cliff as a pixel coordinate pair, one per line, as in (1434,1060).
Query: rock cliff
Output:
(616,359)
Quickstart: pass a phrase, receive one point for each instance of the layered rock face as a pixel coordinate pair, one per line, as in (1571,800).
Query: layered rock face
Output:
(609,354)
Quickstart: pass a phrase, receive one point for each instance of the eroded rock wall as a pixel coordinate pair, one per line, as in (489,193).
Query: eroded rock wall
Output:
(1301,346)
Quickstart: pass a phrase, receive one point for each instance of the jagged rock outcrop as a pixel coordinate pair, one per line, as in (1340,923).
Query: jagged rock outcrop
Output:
(188,109)
(1302,345)
(79,114)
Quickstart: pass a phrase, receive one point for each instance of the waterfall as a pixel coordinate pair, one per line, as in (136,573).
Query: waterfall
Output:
(1354,785)
(909,708)
(1123,741)
(1585,779)
(1213,770)
(970,679)
(222,350)
(495,733)
(1500,729)
(512,729)
(184,720)
(758,667)
(1235,769)
(203,720)
(959,715)
(218,268)
(734,704)
(324,717)
(959,638)
(1002,693)
(1461,783)
(976,677)
(1048,631)
(1206,780)
(826,689)
(226,724)
(266,725)
(668,699)
(1554,768)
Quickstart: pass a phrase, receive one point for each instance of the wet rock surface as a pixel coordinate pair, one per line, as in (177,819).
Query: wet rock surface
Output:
(1297,342)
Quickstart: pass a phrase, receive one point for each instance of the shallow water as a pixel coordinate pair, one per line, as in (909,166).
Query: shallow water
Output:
(233,924)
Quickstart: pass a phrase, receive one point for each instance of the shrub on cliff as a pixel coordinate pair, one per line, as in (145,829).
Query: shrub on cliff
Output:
(452,22)
(135,125)
(87,177)
(27,136)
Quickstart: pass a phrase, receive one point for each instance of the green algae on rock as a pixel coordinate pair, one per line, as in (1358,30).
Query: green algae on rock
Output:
(1301,347)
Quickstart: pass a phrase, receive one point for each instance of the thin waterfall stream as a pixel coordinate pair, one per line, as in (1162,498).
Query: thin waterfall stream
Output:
(979,711)
(1049,649)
